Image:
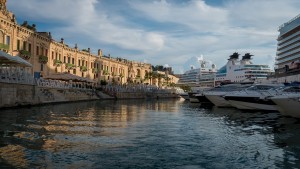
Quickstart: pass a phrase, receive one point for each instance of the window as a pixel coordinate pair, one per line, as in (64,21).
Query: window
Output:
(24,45)
(69,60)
(42,67)
(64,59)
(52,55)
(78,62)
(46,52)
(37,50)
(29,47)
(18,44)
(42,50)
(8,40)
(73,61)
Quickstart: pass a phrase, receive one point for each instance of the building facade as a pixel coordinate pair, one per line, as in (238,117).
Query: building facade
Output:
(288,51)
(51,57)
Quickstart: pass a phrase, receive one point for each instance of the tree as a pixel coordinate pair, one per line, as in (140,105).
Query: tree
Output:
(167,79)
(159,77)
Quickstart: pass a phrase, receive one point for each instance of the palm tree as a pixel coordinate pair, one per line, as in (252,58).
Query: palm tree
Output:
(150,75)
(159,77)
(154,76)
(167,79)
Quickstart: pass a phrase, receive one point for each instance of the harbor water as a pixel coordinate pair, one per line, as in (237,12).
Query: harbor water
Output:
(146,134)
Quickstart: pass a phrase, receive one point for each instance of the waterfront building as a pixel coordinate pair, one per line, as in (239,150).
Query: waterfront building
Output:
(287,65)
(163,78)
(49,57)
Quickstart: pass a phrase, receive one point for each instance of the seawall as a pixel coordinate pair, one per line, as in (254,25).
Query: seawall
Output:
(13,94)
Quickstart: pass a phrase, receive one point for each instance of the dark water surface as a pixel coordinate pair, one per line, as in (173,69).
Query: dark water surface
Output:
(146,134)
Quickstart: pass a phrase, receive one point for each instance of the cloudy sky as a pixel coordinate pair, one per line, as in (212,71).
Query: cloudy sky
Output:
(163,32)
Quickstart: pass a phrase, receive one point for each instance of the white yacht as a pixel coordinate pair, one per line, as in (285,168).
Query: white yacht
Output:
(241,70)
(288,103)
(200,77)
(216,95)
(182,93)
(255,97)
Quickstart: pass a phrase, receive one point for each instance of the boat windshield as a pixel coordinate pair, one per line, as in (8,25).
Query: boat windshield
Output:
(262,87)
(292,89)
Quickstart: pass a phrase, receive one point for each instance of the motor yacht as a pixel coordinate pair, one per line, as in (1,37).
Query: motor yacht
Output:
(288,102)
(216,95)
(256,97)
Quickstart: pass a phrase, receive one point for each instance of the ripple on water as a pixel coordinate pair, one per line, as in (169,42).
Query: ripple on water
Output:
(146,134)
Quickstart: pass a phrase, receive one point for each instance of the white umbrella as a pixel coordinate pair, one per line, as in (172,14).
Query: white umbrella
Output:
(7,59)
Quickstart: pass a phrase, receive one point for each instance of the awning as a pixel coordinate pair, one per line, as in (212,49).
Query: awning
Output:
(7,59)
(67,77)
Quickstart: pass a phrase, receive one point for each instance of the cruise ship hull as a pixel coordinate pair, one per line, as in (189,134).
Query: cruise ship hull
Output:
(288,105)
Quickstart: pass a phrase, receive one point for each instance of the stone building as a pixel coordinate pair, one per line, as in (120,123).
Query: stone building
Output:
(50,57)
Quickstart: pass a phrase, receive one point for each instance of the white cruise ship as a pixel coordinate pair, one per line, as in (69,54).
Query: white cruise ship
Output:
(239,71)
(199,78)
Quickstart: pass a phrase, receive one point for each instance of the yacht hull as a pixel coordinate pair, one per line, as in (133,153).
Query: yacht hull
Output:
(288,106)
(251,103)
(218,100)
(193,98)
(185,96)
(252,106)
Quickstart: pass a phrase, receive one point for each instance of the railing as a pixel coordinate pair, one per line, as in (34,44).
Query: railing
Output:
(15,75)
(4,46)
(48,83)
(113,89)
(290,21)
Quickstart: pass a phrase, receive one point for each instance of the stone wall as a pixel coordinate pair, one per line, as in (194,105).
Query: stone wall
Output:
(143,95)
(16,94)
(12,95)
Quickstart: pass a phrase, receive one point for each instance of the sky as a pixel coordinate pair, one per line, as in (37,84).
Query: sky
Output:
(175,33)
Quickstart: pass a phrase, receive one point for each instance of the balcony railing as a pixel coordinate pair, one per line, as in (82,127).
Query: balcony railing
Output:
(4,46)
(282,72)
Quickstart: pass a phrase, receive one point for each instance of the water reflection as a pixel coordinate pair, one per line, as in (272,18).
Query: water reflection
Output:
(146,134)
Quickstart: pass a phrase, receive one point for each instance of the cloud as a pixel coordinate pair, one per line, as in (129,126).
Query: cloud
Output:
(166,31)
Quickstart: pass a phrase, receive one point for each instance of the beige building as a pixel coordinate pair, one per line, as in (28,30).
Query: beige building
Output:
(50,57)
(162,78)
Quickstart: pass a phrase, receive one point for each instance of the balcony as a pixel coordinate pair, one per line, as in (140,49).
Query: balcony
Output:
(289,54)
(4,46)
(285,71)
(282,45)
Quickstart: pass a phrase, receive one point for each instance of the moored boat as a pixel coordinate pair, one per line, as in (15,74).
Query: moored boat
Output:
(288,105)
(216,95)
(256,97)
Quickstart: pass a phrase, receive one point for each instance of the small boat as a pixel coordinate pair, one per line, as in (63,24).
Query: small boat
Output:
(184,95)
(192,97)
